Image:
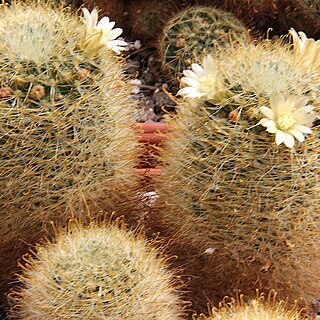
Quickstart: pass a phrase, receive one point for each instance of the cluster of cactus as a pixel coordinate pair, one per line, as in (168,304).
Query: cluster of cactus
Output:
(195,32)
(262,308)
(254,202)
(65,136)
(96,272)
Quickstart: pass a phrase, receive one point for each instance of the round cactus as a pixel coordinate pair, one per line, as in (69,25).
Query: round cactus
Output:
(262,308)
(196,31)
(97,272)
(65,136)
(226,169)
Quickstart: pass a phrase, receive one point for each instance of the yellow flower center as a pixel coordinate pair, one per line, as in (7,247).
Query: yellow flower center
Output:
(207,83)
(285,121)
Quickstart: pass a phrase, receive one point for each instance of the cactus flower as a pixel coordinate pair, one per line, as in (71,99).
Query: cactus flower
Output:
(99,34)
(289,118)
(306,49)
(201,81)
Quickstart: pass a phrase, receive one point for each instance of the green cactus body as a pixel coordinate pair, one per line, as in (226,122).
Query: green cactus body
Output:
(65,136)
(197,31)
(96,273)
(255,203)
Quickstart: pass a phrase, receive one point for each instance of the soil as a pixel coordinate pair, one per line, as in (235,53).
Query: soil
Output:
(154,91)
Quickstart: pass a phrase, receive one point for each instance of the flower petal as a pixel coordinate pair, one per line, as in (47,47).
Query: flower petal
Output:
(305,114)
(264,122)
(87,17)
(294,35)
(301,102)
(272,128)
(190,82)
(198,70)
(117,43)
(275,102)
(113,34)
(190,74)
(116,49)
(287,105)
(267,112)
(190,92)
(91,19)
(297,134)
(106,24)
(303,129)
(288,140)
(209,65)
(309,118)
(280,137)
(94,17)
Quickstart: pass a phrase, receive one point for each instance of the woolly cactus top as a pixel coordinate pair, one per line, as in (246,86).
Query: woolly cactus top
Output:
(96,273)
(262,308)
(258,84)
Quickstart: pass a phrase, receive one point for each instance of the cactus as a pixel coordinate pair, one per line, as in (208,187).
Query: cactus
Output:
(196,31)
(262,308)
(96,272)
(254,202)
(66,142)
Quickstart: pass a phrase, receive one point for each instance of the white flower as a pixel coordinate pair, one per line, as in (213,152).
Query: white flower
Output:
(201,81)
(288,118)
(101,33)
(306,49)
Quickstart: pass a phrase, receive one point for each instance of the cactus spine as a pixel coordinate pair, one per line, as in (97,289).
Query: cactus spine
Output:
(96,272)
(196,31)
(262,308)
(255,202)
(65,135)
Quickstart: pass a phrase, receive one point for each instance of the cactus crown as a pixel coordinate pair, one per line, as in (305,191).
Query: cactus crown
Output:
(253,74)
(56,102)
(35,38)
(196,31)
(96,272)
(262,308)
